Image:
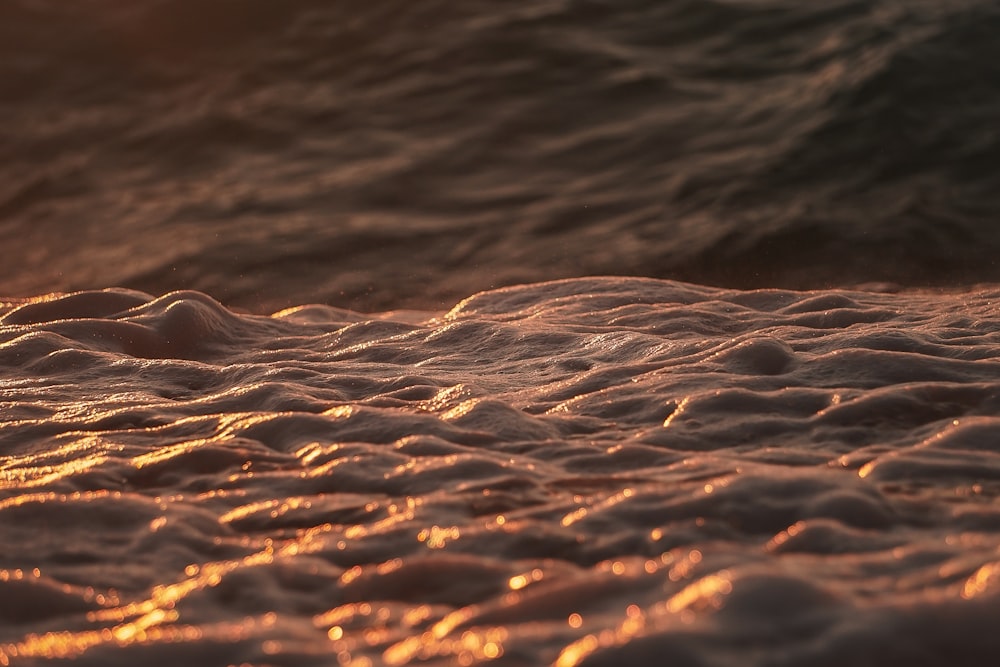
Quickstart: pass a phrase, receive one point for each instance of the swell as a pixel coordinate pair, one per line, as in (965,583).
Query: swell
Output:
(762,144)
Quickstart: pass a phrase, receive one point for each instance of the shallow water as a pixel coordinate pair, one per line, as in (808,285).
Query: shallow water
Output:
(586,472)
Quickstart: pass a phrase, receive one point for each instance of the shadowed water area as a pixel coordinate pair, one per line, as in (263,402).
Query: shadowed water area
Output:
(387,154)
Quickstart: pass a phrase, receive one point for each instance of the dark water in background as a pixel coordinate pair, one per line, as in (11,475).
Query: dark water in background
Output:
(406,154)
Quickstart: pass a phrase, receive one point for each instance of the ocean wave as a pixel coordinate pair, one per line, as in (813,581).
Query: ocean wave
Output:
(583,472)
(389,156)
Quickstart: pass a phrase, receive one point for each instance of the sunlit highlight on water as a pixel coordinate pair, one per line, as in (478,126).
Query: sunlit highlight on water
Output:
(324,503)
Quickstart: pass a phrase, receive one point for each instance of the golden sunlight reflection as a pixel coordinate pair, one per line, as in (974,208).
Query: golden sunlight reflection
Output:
(986,577)
(520,581)
(355,628)
(786,535)
(706,592)
(475,644)
(611,501)
(437,537)
(631,626)
(67,460)
(678,411)
(155,619)
(166,453)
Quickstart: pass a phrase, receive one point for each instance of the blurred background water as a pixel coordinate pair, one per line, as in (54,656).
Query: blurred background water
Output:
(392,154)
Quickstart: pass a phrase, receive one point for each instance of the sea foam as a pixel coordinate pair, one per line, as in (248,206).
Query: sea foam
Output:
(585,472)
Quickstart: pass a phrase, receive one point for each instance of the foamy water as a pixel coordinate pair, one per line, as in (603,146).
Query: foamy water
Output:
(602,471)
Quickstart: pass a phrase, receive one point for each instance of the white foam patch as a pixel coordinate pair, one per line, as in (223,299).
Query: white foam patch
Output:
(595,471)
